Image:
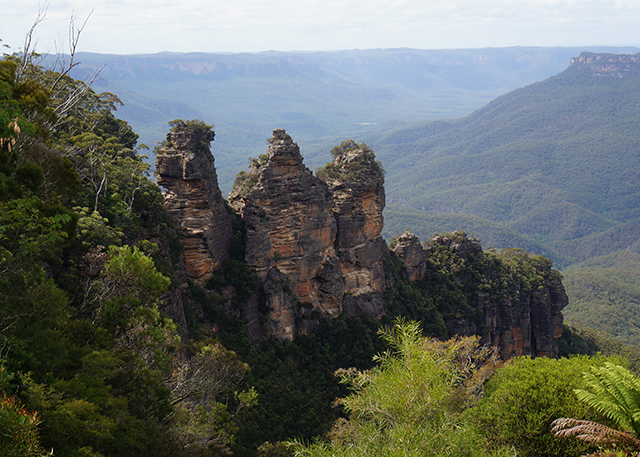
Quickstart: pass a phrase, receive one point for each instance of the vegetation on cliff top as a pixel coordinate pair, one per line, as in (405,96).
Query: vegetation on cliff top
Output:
(345,169)
(87,257)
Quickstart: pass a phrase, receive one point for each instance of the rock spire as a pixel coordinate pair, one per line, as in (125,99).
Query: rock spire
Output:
(187,173)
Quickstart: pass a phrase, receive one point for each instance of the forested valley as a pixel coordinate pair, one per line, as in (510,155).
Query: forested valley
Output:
(93,362)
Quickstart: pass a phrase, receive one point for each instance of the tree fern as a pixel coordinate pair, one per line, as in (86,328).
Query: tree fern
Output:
(613,391)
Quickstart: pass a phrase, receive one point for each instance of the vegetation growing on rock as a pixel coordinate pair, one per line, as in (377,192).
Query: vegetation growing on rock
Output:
(125,342)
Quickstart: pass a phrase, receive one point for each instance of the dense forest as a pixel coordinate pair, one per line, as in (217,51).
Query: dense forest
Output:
(550,167)
(92,365)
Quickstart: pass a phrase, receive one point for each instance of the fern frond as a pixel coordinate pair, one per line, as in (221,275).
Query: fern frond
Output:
(614,392)
(594,433)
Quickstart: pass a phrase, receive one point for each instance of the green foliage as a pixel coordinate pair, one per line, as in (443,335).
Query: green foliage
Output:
(457,275)
(84,344)
(194,125)
(605,295)
(523,399)
(204,392)
(301,375)
(130,272)
(342,169)
(402,406)
(588,341)
(19,435)
(614,392)
(244,181)
(94,230)
(409,299)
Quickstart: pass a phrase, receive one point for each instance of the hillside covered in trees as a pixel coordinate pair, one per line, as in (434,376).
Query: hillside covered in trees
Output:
(320,98)
(117,347)
(551,167)
(527,157)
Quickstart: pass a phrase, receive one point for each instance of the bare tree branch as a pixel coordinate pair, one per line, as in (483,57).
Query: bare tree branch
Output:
(74,39)
(27,50)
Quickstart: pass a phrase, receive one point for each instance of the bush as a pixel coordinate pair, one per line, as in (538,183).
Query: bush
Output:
(19,436)
(522,400)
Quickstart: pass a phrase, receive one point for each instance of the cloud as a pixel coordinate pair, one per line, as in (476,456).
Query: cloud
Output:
(131,26)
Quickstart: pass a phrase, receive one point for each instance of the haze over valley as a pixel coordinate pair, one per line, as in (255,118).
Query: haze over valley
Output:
(370,229)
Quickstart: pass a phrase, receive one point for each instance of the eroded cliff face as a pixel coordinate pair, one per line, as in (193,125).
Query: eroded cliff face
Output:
(413,256)
(608,65)
(289,228)
(356,183)
(516,298)
(315,245)
(186,171)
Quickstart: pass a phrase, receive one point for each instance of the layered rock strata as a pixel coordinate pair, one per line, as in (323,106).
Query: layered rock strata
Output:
(414,258)
(518,309)
(315,245)
(608,65)
(290,234)
(356,183)
(187,173)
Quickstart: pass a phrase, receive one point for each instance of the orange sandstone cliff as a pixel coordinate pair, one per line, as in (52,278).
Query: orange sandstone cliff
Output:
(315,246)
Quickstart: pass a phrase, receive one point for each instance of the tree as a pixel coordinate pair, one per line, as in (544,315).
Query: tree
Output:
(205,396)
(613,391)
(19,435)
(410,403)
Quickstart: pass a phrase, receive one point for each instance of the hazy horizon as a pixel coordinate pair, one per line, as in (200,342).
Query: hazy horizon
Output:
(145,27)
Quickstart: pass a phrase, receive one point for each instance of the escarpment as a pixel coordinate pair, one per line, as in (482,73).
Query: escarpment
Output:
(314,244)
(514,300)
(186,171)
(608,65)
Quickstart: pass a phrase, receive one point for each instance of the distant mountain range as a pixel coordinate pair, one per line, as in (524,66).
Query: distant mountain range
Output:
(554,164)
(552,167)
(320,98)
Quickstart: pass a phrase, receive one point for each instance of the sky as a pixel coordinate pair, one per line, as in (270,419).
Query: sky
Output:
(150,26)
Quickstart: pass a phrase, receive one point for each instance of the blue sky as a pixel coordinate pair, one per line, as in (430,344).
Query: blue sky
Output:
(148,26)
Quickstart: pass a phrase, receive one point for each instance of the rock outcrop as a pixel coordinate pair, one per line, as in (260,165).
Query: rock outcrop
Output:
(315,245)
(608,65)
(517,297)
(414,258)
(356,183)
(187,173)
(289,228)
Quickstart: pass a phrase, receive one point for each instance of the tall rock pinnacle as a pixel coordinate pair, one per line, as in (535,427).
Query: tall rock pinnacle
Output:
(356,182)
(290,233)
(186,170)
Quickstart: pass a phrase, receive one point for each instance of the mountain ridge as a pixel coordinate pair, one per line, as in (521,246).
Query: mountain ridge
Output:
(329,97)
(559,142)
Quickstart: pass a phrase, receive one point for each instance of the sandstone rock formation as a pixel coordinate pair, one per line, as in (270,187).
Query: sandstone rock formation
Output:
(289,228)
(186,171)
(608,65)
(518,298)
(315,245)
(414,258)
(356,182)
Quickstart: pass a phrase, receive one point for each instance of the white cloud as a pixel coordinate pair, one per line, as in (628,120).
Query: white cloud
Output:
(132,26)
